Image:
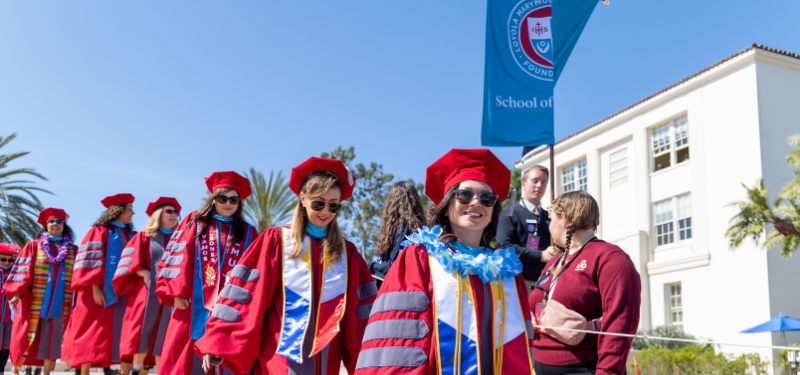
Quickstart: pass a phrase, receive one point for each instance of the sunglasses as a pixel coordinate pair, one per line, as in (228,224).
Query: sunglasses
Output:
(6,260)
(334,207)
(55,221)
(467,196)
(171,212)
(222,199)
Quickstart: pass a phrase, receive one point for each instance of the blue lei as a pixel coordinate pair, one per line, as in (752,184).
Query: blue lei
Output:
(488,266)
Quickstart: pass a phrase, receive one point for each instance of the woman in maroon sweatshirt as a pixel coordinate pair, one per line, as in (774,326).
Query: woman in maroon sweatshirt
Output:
(595,279)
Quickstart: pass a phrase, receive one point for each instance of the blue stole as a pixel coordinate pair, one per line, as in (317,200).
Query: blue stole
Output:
(48,311)
(316,232)
(4,298)
(199,312)
(113,253)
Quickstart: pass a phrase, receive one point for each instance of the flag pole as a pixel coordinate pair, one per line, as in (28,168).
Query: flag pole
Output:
(552,181)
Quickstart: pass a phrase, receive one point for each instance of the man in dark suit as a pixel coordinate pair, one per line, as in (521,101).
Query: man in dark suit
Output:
(527,229)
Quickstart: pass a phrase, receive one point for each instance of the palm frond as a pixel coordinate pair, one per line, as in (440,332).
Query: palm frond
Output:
(19,205)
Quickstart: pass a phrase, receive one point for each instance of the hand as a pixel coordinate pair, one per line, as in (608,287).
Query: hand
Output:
(145,275)
(209,361)
(14,301)
(181,303)
(548,254)
(97,293)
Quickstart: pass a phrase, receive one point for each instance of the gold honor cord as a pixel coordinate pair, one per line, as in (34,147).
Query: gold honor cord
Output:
(459,317)
(499,298)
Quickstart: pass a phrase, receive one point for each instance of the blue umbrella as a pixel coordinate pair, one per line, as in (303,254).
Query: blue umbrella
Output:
(780,323)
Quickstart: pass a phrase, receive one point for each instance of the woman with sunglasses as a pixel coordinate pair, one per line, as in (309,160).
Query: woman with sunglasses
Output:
(203,249)
(299,299)
(145,319)
(451,304)
(43,311)
(96,324)
(8,253)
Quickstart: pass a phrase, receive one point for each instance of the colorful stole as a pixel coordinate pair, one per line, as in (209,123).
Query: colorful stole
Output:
(209,260)
(297,287)
(43,294)
(4,298)
(457,326)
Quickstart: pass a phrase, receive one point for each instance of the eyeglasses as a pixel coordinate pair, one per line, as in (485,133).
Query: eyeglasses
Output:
(334,207)
(171,212)
(6,260)
(222,199)
(467,196)
(55,221)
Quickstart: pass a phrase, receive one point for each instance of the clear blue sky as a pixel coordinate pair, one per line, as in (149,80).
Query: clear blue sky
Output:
(149,97)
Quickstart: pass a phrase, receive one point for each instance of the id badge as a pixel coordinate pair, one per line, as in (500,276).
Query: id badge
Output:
(533,242)
(538,315)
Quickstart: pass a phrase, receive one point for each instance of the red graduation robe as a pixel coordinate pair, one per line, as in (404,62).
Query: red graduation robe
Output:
(146,320)
(50,332)
(176,278)
(407,300)
(5,320)
(94,332)
(252,341)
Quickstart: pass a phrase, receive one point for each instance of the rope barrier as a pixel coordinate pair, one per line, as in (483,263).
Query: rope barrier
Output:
(670,338)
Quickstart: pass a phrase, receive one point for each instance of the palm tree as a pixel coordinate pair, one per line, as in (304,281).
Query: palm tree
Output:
(755,213)
(271,202)
(19,205)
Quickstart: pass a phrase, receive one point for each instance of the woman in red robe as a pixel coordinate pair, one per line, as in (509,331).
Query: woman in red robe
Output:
(298,301)
(40,290)
(206,246)
(94,332)
(146,320)
(8,253)
(450,304)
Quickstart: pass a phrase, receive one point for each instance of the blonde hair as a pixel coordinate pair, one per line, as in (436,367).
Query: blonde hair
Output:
(316,185)
(151,228)
(581,212)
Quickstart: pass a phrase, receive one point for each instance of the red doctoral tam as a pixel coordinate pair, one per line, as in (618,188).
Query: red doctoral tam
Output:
(117,200)
(161,201)
(229,179)
(9,249)
(459,165)
(51,213)
(315,164)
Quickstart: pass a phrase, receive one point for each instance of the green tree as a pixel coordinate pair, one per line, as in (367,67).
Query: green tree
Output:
(363,212)
(662,331)
(272,201)
(19,205)
(516,182)
(756,213)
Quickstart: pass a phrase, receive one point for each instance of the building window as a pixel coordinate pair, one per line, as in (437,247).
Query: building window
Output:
(685,216)
(665,231)
(619,167)
(668,150)
(675,314)
(569,182)
(666,221)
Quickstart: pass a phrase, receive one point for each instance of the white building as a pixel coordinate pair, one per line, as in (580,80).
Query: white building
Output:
(663,171)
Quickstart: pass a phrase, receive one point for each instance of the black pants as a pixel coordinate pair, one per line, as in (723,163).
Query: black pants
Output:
(3,359)
(583,368)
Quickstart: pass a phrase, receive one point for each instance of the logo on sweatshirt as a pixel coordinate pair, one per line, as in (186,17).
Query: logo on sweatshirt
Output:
(581,266)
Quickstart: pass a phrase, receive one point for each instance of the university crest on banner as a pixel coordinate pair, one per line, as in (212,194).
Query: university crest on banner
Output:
(534,50)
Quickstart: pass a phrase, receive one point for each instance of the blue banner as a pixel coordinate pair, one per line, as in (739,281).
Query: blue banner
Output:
(528,43)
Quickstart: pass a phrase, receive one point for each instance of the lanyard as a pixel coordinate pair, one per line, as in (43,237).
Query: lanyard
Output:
(547,274)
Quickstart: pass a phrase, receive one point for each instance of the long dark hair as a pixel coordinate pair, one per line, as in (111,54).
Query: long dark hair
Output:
(67,230)
(203,215)
(402,204)
(109,215)
(438,216)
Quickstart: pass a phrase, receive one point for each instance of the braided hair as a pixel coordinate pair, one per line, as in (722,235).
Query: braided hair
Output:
(581,212)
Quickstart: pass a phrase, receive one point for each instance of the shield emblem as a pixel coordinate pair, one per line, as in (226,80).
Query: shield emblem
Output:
(537,31)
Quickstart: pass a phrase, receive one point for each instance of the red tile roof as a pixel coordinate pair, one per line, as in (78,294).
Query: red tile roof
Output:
(718,63)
